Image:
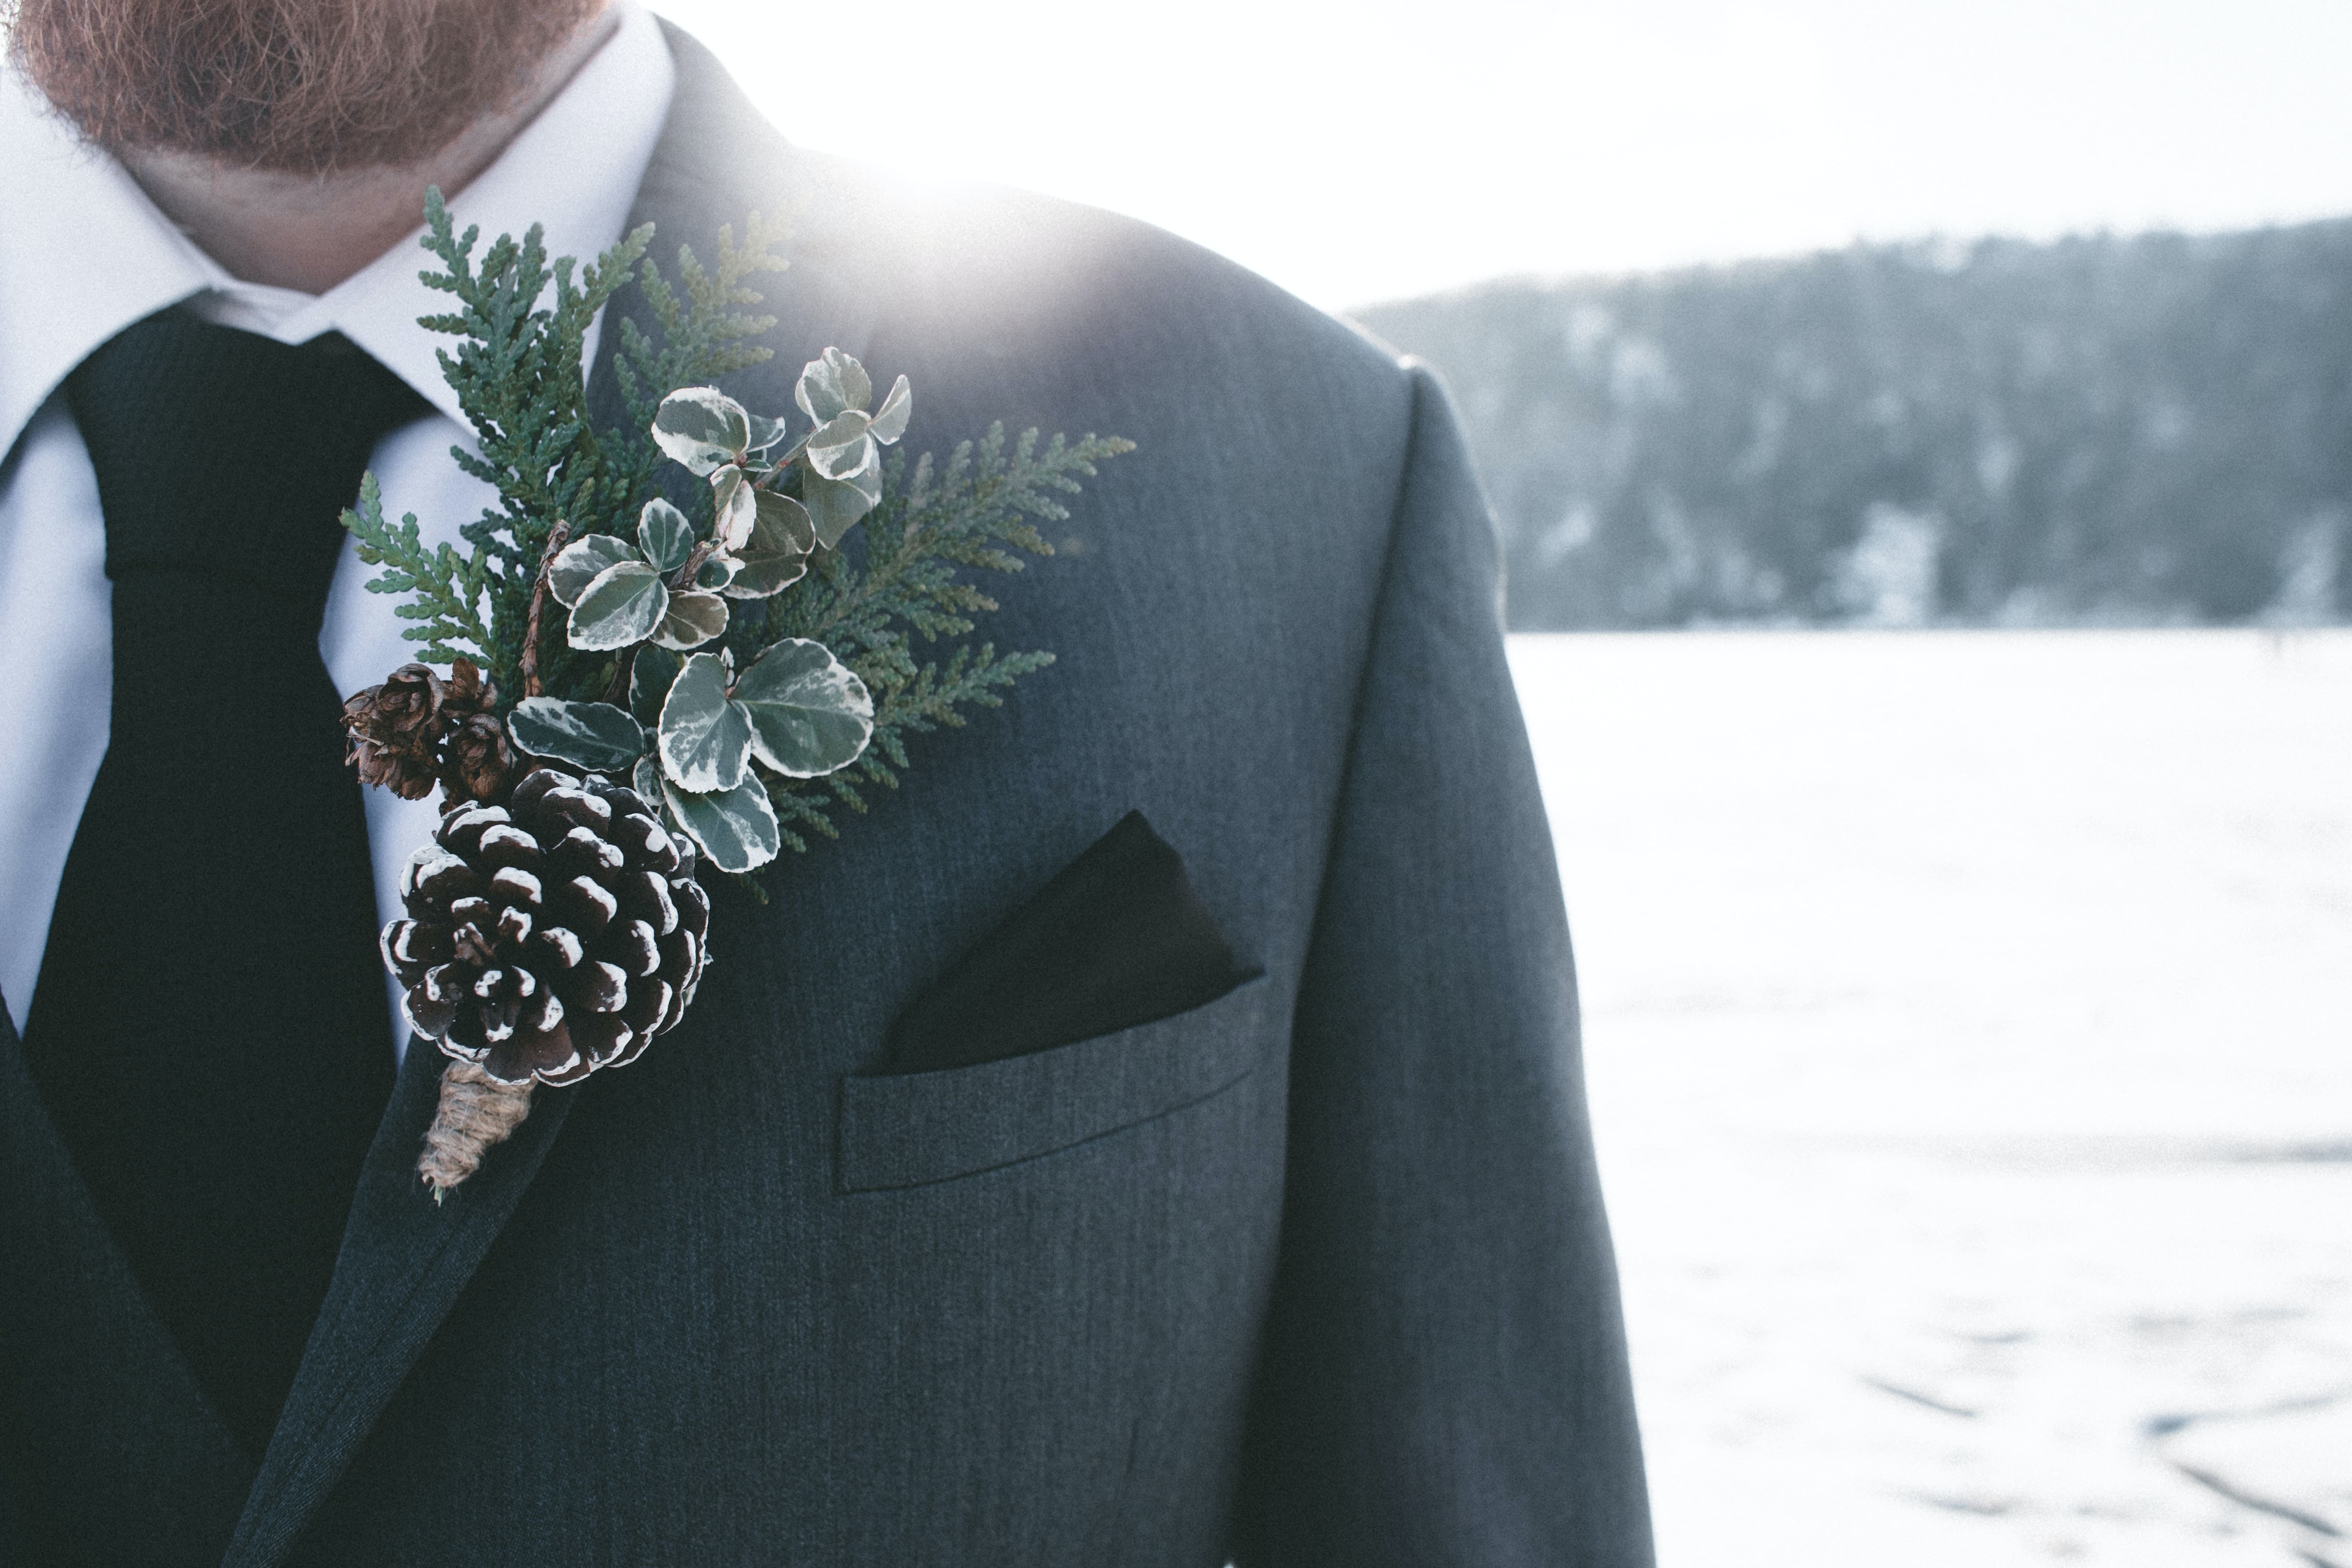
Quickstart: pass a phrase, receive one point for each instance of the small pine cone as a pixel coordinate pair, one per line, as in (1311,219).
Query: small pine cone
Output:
(467,691)
(551,936)
(396,728)
(477,763)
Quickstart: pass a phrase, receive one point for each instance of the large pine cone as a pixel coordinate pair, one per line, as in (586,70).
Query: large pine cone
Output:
(553,935)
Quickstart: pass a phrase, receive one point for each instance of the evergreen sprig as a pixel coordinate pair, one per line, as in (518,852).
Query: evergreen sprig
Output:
(702,328)
(519,377)
(978,512)
(583,518)
(448,588)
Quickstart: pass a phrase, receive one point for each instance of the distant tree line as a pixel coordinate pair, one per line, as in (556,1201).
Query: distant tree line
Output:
(2102,430)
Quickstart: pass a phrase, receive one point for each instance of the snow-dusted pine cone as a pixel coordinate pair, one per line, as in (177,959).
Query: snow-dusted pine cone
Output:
(551,936)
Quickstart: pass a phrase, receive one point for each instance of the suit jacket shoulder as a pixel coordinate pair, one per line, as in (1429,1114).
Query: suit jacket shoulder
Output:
(1025,307)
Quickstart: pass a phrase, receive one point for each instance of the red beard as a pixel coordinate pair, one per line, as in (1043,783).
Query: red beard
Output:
(301,87)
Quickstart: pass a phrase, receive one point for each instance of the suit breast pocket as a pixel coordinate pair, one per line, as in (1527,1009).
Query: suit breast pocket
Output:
(909,1129)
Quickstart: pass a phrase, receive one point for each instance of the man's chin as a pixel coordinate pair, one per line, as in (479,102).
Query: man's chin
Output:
(304,87)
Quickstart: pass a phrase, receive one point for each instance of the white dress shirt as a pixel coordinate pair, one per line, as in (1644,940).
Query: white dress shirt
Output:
(83,255)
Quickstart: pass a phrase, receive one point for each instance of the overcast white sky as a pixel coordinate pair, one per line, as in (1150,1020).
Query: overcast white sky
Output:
(1363,152)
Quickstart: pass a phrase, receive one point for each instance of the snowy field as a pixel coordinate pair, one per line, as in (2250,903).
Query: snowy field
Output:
(1965,1023)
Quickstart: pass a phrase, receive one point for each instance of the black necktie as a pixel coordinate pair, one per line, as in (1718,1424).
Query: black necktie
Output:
(209,1029)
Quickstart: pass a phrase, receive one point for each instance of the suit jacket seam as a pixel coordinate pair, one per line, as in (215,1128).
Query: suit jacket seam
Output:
(845,1191)
(1417,392)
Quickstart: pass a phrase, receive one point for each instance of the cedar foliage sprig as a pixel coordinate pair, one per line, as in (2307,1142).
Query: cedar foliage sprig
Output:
(519,378)
(703,330)
(979,511)
(448,588)
(574,500)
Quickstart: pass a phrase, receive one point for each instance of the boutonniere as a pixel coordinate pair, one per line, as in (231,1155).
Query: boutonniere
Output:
(673,651)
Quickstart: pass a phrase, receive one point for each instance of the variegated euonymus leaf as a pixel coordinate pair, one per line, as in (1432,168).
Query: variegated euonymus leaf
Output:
(845,443)
(842,480)
(776,555)
(737,831)
(765,432)
(693,619)
(582,562)
(809,713)
(665,535)
(890,419)
(650,674)
(716,573)
(835,505)
(840,447)
(622,605)
(736,827)
(704,739)
(646,779)
(702,428)
(789,519)
(592,735)
(832,384)
(734,507)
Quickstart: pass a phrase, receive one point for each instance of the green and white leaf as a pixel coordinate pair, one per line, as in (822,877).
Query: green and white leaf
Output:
(665,535)
(704,740)
(736,827)
(716,573)
(776,555)
(835,505)
(702,428)
(646,779)
(622,605)
(693,619)
(830,383)
(765,432)
(592,735)
(841,446)
(809,714)
(582,561)
(890,419)
(734,507)
(650,674)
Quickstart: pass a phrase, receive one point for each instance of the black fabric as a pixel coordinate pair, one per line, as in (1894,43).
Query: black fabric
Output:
(208,1031)
(109,1454)
(1118,938)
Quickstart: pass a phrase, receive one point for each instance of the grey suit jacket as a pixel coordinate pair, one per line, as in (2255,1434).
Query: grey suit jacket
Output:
(1314,1273)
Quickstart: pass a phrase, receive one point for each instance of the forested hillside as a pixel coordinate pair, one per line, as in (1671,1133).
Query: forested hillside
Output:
(2101,430)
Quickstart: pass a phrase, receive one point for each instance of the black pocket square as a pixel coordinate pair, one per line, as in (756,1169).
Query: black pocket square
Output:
(1118,938)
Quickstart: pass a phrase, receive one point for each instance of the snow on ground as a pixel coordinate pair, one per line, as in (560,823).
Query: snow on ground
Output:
(1966,1019)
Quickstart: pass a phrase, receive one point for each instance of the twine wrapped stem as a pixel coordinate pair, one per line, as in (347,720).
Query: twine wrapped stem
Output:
(476,1113)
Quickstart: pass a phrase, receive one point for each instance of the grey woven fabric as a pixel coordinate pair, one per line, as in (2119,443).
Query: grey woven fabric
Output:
(1316,1273)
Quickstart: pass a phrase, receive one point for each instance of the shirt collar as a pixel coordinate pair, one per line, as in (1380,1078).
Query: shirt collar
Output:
(85,253)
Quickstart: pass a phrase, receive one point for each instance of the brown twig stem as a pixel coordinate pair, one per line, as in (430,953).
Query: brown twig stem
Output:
(775,474)
(555,537)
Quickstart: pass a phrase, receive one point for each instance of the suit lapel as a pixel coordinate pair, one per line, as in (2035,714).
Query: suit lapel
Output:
(404,1262)
(93,1393)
